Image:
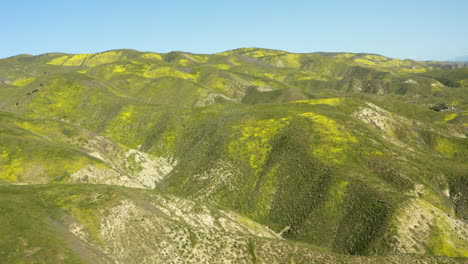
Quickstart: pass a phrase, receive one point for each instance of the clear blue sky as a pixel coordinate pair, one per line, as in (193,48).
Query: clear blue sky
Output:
(414,29)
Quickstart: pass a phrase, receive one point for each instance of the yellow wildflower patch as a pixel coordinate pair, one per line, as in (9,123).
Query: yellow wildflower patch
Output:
(152,56)
(328,101)
(251,141)
(334,141)
(166,71)
(23,81)
(447,147)
(70,60)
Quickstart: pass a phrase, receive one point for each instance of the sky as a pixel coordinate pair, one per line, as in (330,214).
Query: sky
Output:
(414,29)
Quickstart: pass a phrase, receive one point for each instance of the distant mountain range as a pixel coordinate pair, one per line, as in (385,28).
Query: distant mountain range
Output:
(460,58)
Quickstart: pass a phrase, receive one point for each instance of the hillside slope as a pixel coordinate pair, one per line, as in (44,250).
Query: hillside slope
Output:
(337,150)
(103,224)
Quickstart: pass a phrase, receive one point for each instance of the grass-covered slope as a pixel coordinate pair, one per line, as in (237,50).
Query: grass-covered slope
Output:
(29,157)
(36,150)
(104,224)
(337,150)
(311,168)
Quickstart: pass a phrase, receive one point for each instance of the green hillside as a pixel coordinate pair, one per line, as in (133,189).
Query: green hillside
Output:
(320,157)
(105,224)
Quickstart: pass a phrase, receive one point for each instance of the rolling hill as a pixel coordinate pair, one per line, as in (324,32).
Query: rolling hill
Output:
(247,156)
